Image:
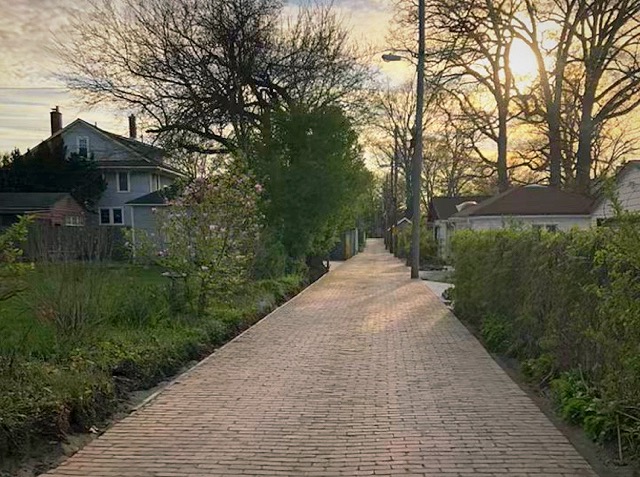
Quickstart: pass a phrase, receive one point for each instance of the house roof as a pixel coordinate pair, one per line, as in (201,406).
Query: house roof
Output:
(21,202)
(156,198)
(145,155)
(531,200)
(441,208)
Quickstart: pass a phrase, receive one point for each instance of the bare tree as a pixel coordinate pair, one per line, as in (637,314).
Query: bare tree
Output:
(472,43)
(452,164)
(594,77)
(395,115)
(208,72)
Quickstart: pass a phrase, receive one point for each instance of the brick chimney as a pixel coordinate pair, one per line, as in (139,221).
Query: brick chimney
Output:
(56,120)
(133,130)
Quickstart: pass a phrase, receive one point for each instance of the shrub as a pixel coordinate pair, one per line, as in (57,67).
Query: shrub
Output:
(270,257)
(428,246)
(496,333)
(11,265)
(70,297)
(565,302)
(210,232)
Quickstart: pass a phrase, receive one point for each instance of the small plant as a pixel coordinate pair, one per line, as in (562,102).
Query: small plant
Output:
(496,333)
(579,404)
(12,267)
(142,306)
(541,369)
(70,297)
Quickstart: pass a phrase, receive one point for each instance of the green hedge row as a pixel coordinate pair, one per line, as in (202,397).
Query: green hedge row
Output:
(45,399)
(567,305)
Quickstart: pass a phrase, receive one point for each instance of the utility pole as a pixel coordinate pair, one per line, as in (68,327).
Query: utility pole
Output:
(416,162)
(394,188)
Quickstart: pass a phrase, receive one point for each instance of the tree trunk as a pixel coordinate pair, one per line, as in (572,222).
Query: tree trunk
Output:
(585,138)
(555,148)
(503,177)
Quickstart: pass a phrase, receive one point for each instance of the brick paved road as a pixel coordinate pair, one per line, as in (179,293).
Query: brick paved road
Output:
(366,373)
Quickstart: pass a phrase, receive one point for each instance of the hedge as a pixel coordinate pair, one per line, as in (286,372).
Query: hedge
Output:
(567,305)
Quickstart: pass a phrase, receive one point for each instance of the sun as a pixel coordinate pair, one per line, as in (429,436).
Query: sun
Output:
(523,63)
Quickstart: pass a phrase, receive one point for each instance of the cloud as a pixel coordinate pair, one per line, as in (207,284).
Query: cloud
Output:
(28,88)
(24,115)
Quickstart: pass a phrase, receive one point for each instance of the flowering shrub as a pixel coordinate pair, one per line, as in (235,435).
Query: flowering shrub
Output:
(209,233)
(141,246)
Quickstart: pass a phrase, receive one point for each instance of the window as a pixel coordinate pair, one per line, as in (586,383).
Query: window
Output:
(548,227)
(117,216)
(123,181)
(83,146)
(155,183)
(73,221)
(105,216)
(111,216)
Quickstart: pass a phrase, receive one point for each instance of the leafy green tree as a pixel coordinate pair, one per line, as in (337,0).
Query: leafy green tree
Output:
(48,169)
(314,175)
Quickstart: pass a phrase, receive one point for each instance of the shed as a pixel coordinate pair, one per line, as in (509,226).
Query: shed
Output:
(52,208)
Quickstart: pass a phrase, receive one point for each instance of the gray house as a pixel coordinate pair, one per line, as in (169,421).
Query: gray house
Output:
(131,168)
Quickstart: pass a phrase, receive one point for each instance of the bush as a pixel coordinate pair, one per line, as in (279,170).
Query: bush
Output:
(270,259)
(496,333)
(562,302)
(428,247)
(70,297)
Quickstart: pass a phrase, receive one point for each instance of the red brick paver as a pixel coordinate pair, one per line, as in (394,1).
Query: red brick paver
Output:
(366,373)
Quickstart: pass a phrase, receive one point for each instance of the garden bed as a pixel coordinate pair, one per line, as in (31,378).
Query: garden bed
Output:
(61,380)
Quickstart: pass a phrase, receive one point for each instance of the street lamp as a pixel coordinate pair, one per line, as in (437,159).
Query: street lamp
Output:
(416,160)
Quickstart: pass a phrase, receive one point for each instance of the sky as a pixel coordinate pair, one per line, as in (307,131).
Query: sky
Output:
(28,65)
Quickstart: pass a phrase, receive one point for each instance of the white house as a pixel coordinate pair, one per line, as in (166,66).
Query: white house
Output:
(134,171)
(627,190)
(534,206)
(438,214)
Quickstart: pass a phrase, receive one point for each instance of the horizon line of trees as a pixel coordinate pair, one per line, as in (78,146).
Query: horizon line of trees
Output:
(486,127)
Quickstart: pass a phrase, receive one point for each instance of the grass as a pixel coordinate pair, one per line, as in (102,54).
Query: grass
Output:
(82,336)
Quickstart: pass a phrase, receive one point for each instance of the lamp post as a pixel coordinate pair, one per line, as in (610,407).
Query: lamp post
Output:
(416,160)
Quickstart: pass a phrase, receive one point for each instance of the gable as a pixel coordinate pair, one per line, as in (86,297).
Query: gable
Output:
(101,146)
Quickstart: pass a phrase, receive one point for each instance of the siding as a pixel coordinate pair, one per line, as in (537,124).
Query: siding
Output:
(628,190)
(563,222)
(102,147)
(145,219)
